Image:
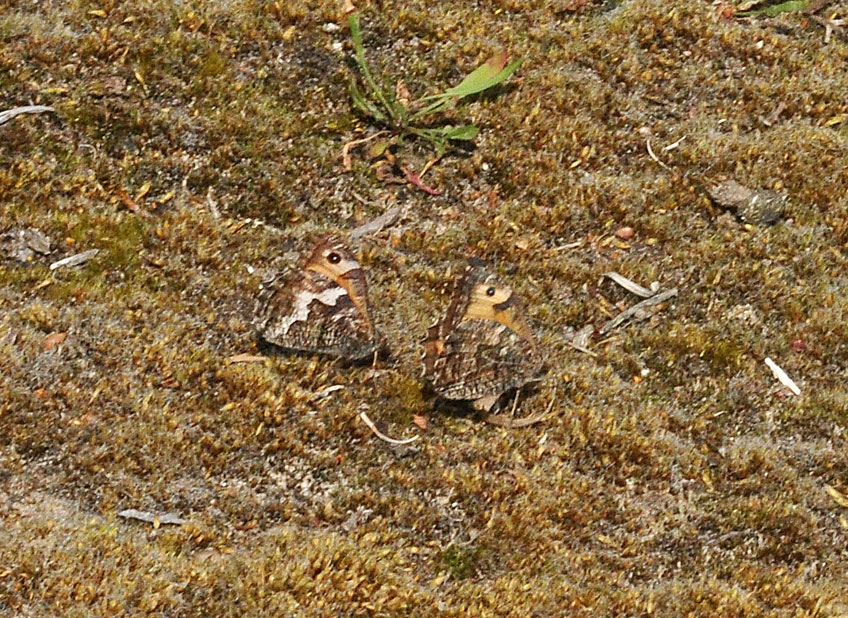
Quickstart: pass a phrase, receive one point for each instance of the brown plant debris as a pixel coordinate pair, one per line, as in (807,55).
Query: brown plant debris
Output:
(637,309)
(77,259)
(9,114)
(370,424)
(156,519)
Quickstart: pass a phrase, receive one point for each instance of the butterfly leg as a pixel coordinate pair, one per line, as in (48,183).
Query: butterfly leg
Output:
(515,402)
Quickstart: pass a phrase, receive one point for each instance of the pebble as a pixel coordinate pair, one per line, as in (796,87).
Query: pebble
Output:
(625,233)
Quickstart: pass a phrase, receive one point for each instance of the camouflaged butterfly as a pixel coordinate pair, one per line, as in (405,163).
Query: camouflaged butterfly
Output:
(322,306)
(483,347)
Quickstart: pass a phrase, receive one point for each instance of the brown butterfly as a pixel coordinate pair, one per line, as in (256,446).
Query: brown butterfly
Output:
(322,306)
(483,347)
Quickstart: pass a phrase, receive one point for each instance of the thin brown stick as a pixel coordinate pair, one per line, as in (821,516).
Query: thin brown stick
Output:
(347,162)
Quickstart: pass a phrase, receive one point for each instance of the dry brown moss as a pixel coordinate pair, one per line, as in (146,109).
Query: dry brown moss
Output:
(673,476)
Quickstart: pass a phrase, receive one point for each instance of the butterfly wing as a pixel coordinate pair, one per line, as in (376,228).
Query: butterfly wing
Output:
(483,347)
(322,307)
(481,358)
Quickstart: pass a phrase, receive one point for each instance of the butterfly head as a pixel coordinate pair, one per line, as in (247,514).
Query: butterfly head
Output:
(332,259)
(490,300)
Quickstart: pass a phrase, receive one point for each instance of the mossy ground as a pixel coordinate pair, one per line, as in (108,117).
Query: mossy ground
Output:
(673,477)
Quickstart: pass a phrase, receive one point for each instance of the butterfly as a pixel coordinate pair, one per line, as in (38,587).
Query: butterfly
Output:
(483,347)
(321,306)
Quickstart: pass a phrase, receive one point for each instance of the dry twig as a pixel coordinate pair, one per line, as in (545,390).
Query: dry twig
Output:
(7,115)
(388,218)
(655,157)
(380,434)
(629,313)
(630,286)
(152,518)
(75,260)
(347,162)
(781,376)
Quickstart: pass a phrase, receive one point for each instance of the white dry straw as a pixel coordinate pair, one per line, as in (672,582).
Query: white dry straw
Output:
(784,379)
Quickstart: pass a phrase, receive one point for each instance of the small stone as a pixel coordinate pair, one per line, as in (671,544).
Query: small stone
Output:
(330,27)
(625,233)
(22,244)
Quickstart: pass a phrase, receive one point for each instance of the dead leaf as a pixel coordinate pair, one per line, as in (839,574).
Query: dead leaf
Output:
(52,340)
(748,205)
(420,421)
(145,189)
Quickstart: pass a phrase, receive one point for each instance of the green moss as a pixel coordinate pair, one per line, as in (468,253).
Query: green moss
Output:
(459,561)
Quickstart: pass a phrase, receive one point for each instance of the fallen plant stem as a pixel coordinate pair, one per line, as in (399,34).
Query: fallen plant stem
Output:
(346,159)
(630,286)
(380,434)
(629,313)
(7,115)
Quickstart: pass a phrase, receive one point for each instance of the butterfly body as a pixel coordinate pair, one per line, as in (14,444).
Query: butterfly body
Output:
(483,347)
(322,306)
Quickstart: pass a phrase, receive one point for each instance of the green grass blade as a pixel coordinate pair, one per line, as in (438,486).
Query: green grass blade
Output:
(777,9)
(448,132)
(433,108)
(359,56)
(356,36)
(361,103)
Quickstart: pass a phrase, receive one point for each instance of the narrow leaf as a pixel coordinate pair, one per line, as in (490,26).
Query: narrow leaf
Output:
(466,132)
(491,73)
(356,35)
(433,108)
(359,56)
(363,104)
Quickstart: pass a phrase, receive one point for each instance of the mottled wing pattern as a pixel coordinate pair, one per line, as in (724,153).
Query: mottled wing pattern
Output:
(480,360)
(483,347)
(320,307)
